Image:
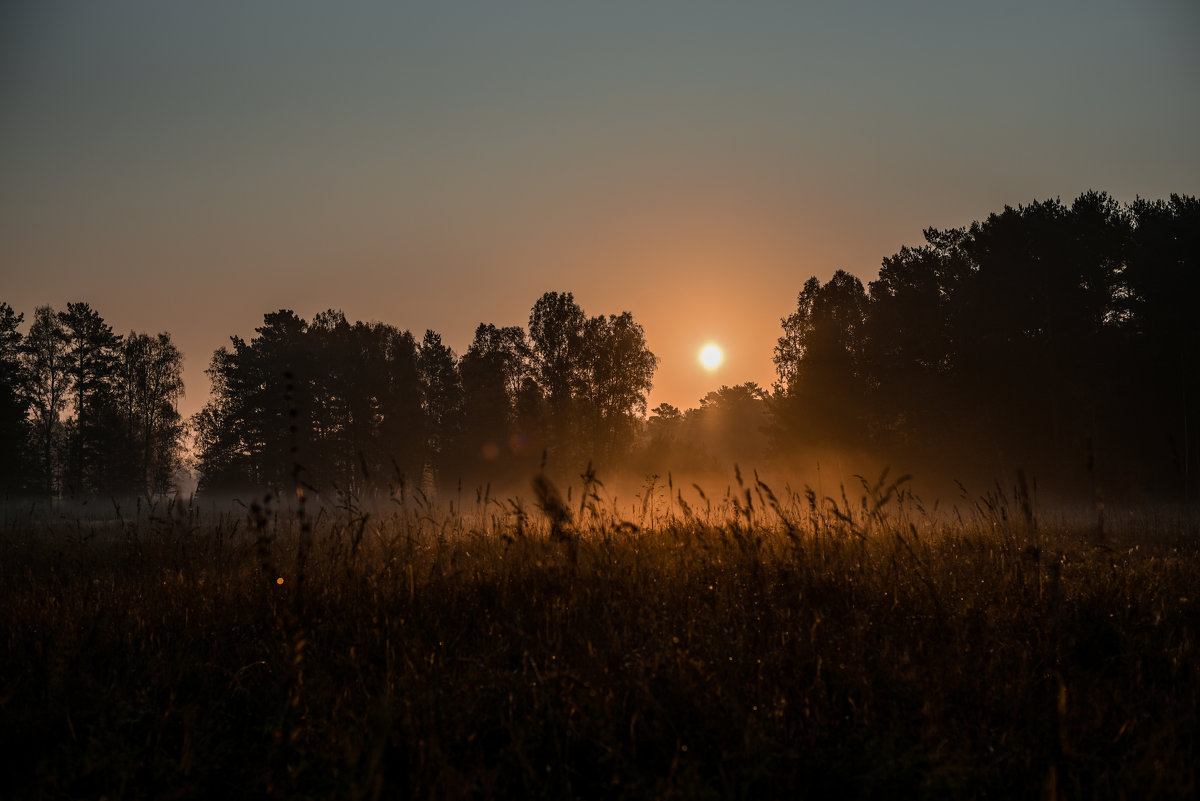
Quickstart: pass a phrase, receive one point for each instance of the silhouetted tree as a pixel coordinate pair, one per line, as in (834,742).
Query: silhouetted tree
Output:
(666,444)
(45,359)
(593,374)
(14,429)
(343,404)
(822,365)
(529,436)
(331,405)
(367,420)
(556,331)
(1161,283)
(256,428)
(441,391)
(151,370)
(401,440)
(1031,325)
(282,401)
(93,446)
(492,372)
(732,423)
(911,342)
(222,456)
(1049,336)
(664,422)
(617,371)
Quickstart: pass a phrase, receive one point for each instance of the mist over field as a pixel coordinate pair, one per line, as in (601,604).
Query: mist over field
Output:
(599,401)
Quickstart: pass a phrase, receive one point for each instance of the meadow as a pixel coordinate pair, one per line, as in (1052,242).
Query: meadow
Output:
(757,643)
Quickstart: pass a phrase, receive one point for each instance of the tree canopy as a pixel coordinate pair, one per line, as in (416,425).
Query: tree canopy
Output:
(85,411)
(1051,337)
(362,407)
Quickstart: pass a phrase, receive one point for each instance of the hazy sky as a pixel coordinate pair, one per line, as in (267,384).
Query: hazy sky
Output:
(190,167)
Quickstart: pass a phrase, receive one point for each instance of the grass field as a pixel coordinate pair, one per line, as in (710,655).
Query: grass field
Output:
(752,645)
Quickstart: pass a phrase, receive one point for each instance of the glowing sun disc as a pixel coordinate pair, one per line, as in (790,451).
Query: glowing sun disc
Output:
(711,356)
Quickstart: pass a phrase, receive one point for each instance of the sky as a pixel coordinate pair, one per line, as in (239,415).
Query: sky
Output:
(189,167)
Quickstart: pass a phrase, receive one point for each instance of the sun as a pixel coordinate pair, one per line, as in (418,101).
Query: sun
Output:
(711,357)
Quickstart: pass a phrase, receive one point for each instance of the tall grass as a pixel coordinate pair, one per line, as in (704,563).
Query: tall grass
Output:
(756,643)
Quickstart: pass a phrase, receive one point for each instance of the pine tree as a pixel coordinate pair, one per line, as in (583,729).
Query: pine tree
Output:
(92,364)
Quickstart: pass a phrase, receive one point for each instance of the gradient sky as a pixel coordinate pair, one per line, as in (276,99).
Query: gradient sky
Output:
(189,167)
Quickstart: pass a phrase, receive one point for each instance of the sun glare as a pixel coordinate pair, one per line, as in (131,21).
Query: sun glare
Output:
(711,357)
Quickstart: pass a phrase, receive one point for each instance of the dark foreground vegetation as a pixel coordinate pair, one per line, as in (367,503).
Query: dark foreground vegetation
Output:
(754,645)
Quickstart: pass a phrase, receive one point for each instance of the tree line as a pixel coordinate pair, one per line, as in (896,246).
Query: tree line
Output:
(355,407)
(85,411)
(1063,339)
(1059,338)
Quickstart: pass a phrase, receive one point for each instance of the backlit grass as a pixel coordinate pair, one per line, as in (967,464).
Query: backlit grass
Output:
(755,645)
